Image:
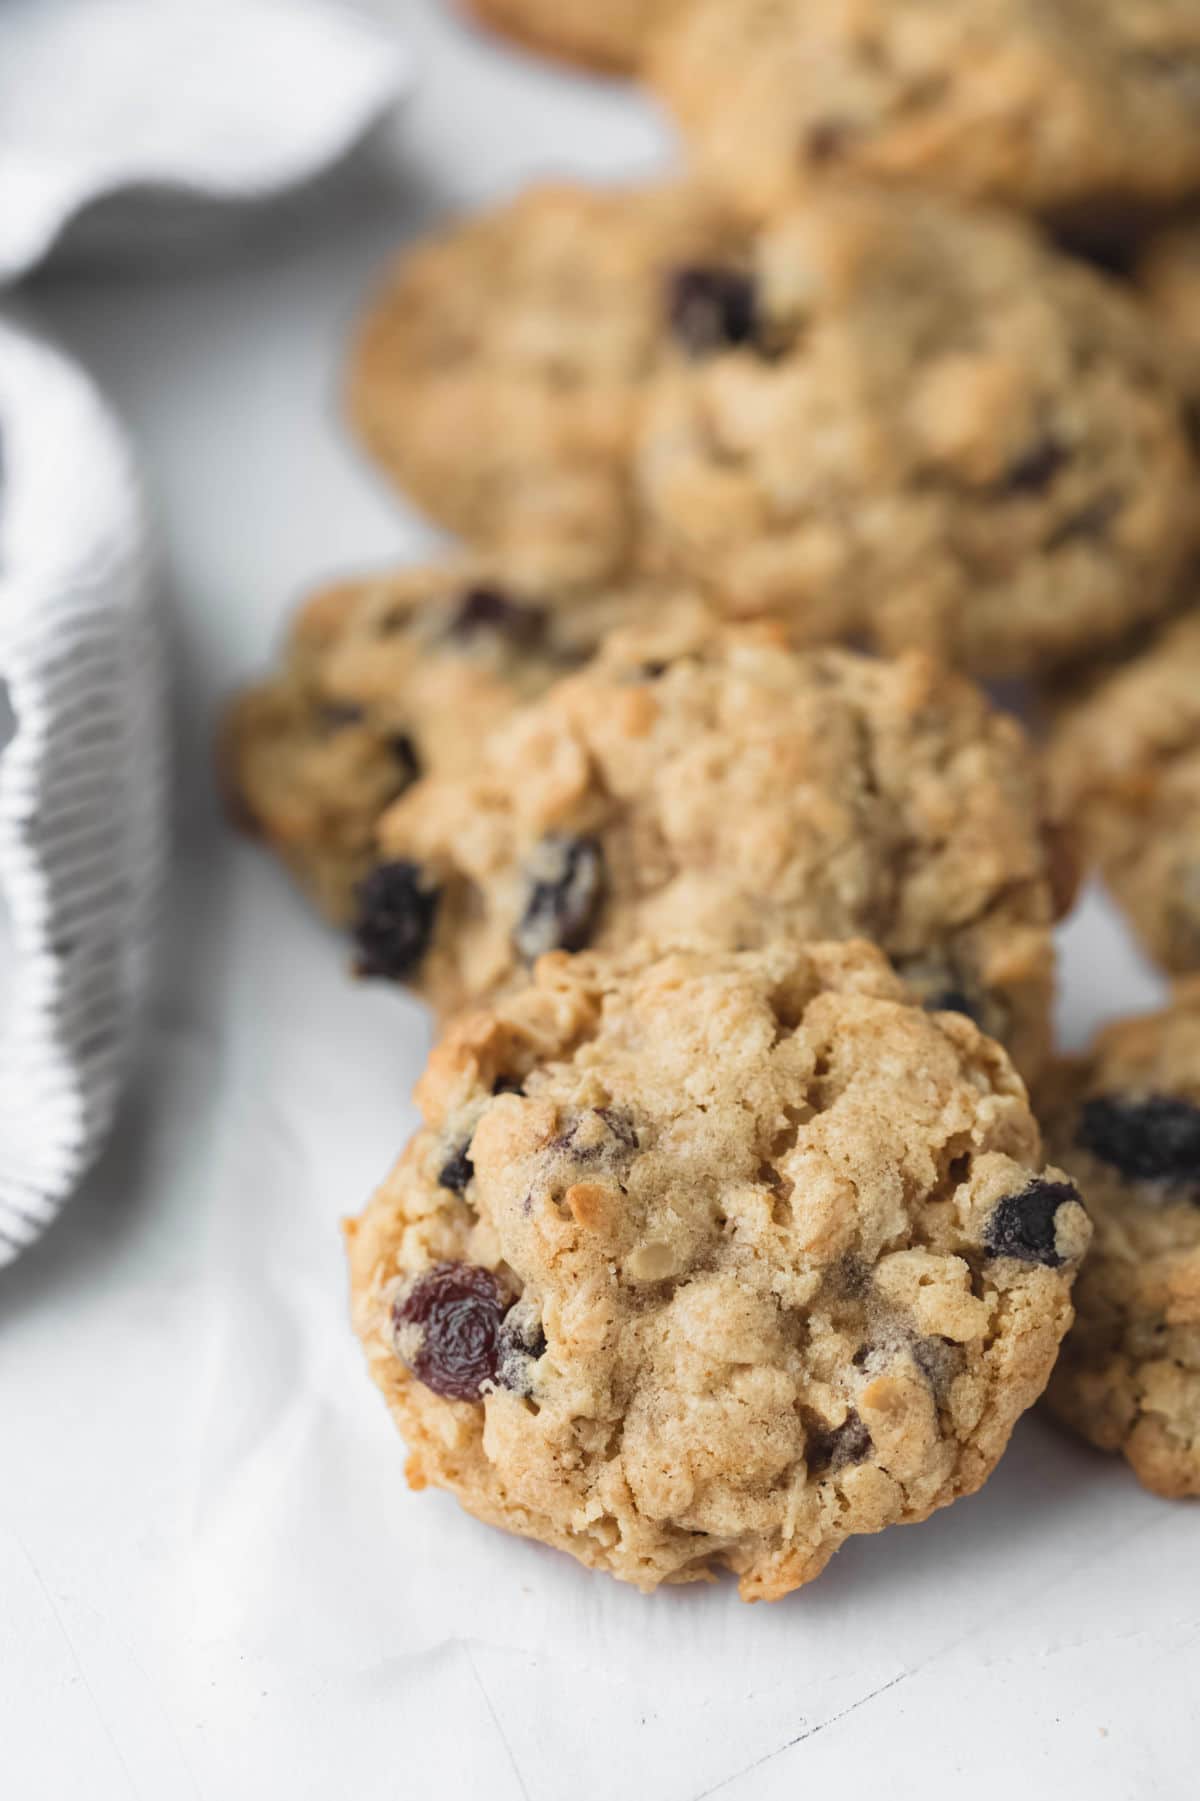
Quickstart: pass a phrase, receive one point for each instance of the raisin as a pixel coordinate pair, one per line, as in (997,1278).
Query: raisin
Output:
(954,1000)
(404,753)
(522,1342)
(940,1361)
(1022,1225)
(459,1310)
(458,1169)
(712,308)
(1036,468)
(486,609)
(1153,1139)
(829,1448)
(394,923)
(828,140)
(945,986)
(565,886)
(619,1137)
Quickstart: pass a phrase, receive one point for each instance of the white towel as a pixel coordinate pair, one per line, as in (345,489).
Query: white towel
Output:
(81,779)
(171,112)
(174,114)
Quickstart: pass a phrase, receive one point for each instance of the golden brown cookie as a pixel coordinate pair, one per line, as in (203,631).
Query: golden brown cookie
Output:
(883,418)
(1125,1121)
(1168,277)
(497,372)
(707,784)
(924,427)
(1123,765)
(394,677)
(710,1260)
(1061,106)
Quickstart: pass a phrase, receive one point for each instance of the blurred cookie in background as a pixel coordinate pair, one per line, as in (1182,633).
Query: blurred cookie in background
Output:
(921,426)
(1123,764)
(497,373)
(610,35)
(1124,1120)
(1168,276)
(1058,107)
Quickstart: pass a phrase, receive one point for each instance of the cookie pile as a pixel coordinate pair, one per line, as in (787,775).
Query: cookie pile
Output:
(729,1230)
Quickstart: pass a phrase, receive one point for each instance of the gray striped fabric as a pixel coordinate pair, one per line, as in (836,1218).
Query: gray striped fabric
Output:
(82,777)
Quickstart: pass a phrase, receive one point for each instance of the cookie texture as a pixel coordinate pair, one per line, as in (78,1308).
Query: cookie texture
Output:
(602,34)
(1168,278)
(1123,766)
(1050,105)
(496,374)
(389,679)
(708,784)
(1125,1121)
(711,1260)
(928,429)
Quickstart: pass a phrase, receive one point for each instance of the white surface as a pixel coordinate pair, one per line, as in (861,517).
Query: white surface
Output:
(213,1582)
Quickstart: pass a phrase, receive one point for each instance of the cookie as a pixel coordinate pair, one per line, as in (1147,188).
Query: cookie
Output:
(1123,766)
(925,427)
(388,679)
(708,1260)
(1167,274)
(1125,1121)
(601,34)
(496,374)
(1055,106)
(712,785)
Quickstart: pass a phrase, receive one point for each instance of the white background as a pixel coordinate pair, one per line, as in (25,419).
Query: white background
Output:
(213,1581)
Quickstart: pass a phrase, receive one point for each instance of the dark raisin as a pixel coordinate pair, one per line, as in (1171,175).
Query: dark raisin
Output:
(335,715)
(396,906)
(522,1342)
(1035,469)
(458,1310)
(404,754)
(1107,242)
(458,1169)
(507,1085)
(711,308)
(565,886)
(945,986)
(580,1138)
(620,1125)
(832,1448)
(1022,1225)
(828,139)
(1153,1139)
(491,610)
(940,1361)
(953,1000)
(851,1275)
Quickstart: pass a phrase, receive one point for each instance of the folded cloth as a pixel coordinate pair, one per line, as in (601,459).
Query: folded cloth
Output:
(81,777)
(148,122)
(139,123)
